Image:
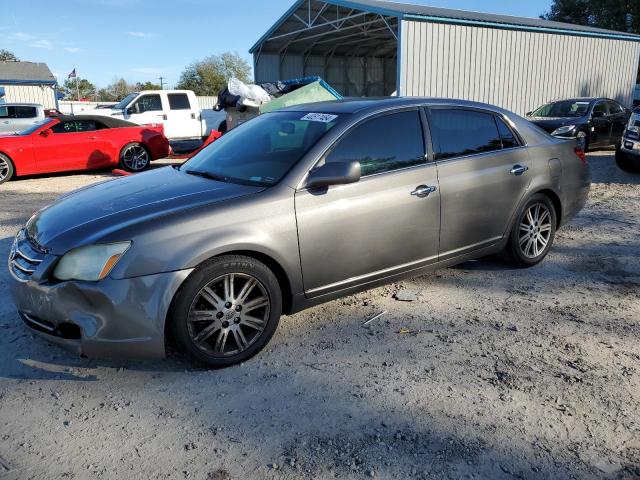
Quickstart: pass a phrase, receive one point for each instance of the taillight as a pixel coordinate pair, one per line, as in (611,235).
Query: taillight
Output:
(581,155)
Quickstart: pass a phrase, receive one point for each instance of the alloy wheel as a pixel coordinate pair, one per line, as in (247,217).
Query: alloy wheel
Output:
(535,230)
(4,169)
(135,157)
(228,314)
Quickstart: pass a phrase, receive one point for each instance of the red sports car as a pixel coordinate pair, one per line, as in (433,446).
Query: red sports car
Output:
(81,143)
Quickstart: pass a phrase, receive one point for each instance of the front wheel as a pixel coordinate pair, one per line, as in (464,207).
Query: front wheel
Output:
(6,169)
(532,233)
(227,311)
(134,157)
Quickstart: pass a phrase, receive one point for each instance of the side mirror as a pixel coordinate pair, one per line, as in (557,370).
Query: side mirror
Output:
(334,173)
(131,111)
(597,115)
(45,133)
(528,114)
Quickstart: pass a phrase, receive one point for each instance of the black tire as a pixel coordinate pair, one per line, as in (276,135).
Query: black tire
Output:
(7,170)
(134,157)
(222,128)
(190,334)
(585,143)
(524,253)
(626,163)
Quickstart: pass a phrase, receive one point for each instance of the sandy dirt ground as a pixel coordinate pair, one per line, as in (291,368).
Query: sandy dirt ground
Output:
(478,371)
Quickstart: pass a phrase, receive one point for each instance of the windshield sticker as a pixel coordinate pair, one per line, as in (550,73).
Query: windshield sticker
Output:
(319,117)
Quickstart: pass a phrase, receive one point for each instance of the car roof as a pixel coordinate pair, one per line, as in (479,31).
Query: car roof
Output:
(369,104)
(108,121)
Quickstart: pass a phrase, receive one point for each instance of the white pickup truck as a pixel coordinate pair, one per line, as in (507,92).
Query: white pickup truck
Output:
(177,110)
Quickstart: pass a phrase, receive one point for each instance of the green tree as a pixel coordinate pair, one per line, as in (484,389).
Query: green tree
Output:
(209,76)
(7,56)
(147,86)
(621,15)
(85,88)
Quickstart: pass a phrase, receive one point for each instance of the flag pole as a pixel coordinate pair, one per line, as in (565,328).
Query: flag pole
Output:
(77,85)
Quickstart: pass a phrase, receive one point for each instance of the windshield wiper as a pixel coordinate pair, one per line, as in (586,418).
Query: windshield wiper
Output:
(208,175)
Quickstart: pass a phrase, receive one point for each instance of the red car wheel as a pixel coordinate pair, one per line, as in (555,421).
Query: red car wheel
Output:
(134,157)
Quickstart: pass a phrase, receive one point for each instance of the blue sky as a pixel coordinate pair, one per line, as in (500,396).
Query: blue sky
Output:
(143,39)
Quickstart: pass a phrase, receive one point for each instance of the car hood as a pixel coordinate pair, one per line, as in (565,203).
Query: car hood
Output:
(89,214)
(551,124)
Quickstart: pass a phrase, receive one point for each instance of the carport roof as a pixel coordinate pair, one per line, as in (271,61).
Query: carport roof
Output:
(307,13)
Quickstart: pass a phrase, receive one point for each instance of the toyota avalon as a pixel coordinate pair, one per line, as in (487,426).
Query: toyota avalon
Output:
(291,209)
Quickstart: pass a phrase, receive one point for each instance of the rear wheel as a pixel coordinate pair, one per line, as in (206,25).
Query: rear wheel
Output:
(6,169)
(134,157)
(532,233)
(227,311)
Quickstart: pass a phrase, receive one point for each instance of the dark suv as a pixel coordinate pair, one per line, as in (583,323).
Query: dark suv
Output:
(593,122)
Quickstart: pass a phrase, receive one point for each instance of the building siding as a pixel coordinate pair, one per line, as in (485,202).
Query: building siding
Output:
(517,70)
(43,95)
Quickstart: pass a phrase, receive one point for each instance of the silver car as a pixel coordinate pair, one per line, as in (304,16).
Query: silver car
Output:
(16,117)
(294,208)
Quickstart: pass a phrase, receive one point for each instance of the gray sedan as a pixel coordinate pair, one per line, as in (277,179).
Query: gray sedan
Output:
(294,208)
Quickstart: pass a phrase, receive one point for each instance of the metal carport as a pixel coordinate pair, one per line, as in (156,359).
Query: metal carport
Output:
(375,47)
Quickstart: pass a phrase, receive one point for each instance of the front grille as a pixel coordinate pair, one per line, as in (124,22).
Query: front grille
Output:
(24,259)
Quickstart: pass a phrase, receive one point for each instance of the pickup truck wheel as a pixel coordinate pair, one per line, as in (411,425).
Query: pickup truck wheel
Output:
(226,311)
(6,168)
(134,157)
(222,128)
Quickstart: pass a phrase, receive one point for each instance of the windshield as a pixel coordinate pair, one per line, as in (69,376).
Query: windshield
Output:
(124,102)
(263,150)
(35,127)
(566,108)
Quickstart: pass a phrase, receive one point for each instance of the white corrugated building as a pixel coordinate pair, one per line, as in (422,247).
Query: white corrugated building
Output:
(27,82)
(374,47)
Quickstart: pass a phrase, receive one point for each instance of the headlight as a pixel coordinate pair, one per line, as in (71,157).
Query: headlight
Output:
(564,130)
(91,263)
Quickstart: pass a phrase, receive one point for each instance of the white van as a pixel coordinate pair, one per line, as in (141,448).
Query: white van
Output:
(16,117)
(177,110)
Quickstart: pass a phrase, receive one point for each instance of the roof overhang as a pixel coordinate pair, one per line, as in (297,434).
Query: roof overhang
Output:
(302,28)
(319,27)
(50,83)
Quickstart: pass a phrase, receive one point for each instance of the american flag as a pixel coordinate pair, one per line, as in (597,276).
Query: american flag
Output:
(72,74)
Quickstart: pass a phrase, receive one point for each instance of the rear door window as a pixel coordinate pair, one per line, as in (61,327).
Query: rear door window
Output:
(460,132)
(383,144)
(179,101)
(509,140)
(615,108)
(4,112)
(26,112)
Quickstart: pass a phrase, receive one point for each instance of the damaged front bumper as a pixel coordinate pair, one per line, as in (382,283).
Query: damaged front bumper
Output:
(109,318)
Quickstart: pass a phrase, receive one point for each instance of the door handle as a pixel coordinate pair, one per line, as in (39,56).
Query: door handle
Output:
(518,170)
(422,191)
(164,116)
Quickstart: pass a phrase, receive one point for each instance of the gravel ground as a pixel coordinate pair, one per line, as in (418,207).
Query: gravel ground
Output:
(478,371)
